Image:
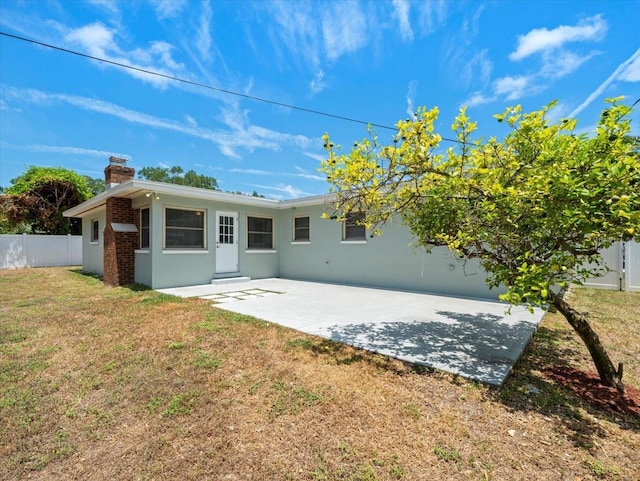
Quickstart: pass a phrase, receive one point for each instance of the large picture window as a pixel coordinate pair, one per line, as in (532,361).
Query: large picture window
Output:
(260,233)
(184,229)
(353,230)
(144,228)
(301,229)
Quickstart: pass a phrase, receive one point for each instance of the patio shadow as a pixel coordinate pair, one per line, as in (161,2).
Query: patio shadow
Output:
(478,346)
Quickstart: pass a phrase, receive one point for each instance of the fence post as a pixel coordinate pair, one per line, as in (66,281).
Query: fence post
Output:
(25,245)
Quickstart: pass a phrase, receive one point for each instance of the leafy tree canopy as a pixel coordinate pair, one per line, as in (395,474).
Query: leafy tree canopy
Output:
(176,175)
(96,186)
(36,200)
(534,208)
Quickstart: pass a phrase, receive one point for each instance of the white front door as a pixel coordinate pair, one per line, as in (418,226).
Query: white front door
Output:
(226,242)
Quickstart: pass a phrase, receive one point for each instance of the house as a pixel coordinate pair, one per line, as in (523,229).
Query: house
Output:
(165,235)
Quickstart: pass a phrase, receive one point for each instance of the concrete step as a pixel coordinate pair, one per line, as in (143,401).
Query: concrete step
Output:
(229,280)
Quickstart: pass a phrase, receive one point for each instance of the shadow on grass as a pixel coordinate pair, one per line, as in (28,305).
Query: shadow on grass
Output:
(534,386)
(80,272)
(150,297)
(544,382)
(339,353)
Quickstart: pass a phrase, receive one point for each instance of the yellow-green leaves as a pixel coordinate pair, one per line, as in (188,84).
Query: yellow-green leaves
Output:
(534,207)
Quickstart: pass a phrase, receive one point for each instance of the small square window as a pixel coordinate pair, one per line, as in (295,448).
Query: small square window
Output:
(95,231)
(301,229)
(353,228)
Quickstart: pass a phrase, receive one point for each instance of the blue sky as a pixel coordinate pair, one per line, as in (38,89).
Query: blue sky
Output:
(374,61)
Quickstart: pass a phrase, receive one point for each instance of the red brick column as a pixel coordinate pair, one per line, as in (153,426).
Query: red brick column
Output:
(119,247)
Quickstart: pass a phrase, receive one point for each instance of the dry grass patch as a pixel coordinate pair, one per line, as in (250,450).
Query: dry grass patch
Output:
(117,383)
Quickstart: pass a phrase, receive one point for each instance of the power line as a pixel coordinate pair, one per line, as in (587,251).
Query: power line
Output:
(198,84)
(216,89)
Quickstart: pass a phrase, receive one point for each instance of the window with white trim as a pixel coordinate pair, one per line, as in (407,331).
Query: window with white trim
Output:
(144,228)
(301,229)
(260,233)
(184,228)
(95,231)
(353,230)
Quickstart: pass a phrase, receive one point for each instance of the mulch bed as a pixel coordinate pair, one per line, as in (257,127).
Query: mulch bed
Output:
(587,386)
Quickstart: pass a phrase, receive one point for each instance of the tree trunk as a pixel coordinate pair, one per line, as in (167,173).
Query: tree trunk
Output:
(609,376)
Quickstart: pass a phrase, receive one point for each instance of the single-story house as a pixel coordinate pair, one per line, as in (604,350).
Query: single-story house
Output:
(166,235)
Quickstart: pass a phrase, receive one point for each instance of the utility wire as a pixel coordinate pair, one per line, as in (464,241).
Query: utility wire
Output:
(197,84)
(216,89)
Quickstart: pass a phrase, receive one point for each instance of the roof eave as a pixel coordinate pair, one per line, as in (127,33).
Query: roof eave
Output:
(136,187)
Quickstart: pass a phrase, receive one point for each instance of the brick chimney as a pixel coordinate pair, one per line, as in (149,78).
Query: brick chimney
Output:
(120,241)
(121,232)
(117,172)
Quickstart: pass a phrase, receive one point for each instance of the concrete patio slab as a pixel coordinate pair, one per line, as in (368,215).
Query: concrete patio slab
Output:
(477,339)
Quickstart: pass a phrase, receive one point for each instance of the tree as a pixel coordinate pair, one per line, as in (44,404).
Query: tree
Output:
(36,200)
(174,175)
(535,208)
(96,186)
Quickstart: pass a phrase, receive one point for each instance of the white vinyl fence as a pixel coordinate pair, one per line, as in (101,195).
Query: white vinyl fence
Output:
(623,260)
(40,251)
(632,266)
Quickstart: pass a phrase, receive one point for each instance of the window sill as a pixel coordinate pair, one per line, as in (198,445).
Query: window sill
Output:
(353,242)
(94,243)
(260,251)
(184,251)
(141,251)
(303,243)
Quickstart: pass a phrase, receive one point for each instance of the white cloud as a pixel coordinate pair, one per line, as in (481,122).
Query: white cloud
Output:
(288,189)
(203,38)
(561,63)
(621,70)
(296,30)
(318,157)
(251,171)
(268,173)
(67,150)
(310,176)
(542,39)
(514,88)
(477,69)
(411,93)
(631,73)
(166,9)
(343,29)
(95,38)
(468,65)
(431,15)
(401,13)
(478,98)
(318,84)
(100,41)
(190,120)
(110,6)
(240,134)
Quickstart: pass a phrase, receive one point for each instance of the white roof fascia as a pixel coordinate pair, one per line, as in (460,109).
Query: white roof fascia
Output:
(137,186)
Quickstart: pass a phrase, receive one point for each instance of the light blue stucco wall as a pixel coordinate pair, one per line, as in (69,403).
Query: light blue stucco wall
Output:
(143,259)
(388,260)
(173,267)
(93,252)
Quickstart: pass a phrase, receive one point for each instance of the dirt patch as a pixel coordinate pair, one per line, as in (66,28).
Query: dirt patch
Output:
(587,385)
